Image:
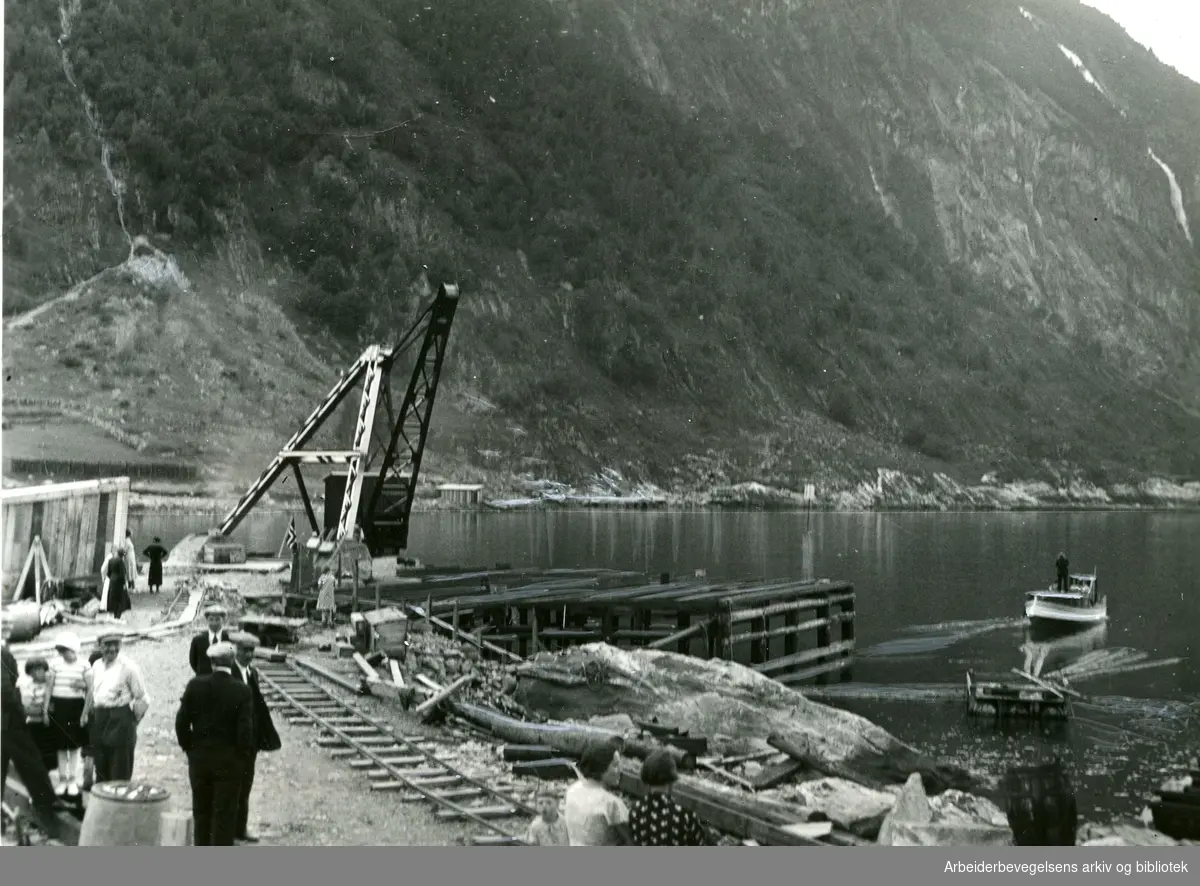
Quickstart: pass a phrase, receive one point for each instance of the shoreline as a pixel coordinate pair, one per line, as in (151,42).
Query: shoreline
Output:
(185,504)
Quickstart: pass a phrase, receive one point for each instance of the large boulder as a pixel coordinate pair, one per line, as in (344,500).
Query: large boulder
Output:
(857,809)
(951,819)
(731,704)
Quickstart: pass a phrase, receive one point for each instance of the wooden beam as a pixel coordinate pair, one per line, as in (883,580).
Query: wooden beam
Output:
(783,631)
(827,667)
(463,635)
(713,809)
(426,707)
(740,615)
(790,661)
(54,491)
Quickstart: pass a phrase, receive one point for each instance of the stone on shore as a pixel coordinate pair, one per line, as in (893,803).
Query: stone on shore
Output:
(951,819)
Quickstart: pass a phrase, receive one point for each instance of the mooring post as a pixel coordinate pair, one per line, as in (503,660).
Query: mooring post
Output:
(534,644)
(848,616)
(354,602)
(824,632)
(791,642)
(682,622)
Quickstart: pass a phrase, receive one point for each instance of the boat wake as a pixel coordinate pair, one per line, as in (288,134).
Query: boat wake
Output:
(936,637)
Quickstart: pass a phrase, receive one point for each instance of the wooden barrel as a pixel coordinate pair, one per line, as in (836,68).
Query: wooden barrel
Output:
(22,621)
(1041,805)
(123,813)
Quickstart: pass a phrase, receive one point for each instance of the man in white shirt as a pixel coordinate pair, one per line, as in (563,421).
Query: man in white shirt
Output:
(216,633)
(116,702)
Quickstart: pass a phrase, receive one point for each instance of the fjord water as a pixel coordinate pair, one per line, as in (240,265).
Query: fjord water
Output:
(936,594)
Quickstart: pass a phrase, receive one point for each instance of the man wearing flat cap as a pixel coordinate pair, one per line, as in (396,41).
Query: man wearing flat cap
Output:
(216,633)
(115,704)
(215,728)
(266,738)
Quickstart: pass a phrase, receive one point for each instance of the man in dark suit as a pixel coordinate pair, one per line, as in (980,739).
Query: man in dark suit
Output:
(216,633)
(266,738)
(215,728)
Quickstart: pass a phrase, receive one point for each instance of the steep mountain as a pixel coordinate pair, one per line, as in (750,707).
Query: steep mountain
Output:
(700,240)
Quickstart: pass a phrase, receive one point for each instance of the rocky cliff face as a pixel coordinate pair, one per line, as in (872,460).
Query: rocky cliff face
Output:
(702,241)
(1014,138)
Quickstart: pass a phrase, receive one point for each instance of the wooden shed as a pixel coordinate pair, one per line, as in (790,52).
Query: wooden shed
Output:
(73,521)
(461,493)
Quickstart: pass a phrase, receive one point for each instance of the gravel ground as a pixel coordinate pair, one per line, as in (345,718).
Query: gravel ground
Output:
(302,797)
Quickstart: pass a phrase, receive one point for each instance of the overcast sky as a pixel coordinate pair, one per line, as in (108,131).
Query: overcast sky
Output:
(1169,27)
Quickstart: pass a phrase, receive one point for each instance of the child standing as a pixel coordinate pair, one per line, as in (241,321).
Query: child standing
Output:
(35,697)
(548,829)
(68,689)
(326,599)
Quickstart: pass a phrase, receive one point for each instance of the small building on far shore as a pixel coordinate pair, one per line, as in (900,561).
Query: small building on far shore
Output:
(461,493)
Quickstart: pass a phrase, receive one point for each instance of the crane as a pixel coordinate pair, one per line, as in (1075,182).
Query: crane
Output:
(381,468)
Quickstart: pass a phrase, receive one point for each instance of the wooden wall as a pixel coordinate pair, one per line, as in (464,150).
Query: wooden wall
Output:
(75,522)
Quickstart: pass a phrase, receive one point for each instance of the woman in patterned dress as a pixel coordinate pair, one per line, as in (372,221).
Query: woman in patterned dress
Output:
(656,819)
(326,603)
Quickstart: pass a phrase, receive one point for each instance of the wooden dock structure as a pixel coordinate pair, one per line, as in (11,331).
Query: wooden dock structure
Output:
(761,624)
(1002,698)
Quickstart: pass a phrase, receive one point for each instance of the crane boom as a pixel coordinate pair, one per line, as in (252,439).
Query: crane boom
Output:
(391,465)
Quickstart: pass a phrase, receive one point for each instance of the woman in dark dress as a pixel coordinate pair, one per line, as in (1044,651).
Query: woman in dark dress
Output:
(118,586)
(155,553)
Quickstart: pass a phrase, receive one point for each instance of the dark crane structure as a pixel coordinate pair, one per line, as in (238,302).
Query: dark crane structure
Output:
(383,462)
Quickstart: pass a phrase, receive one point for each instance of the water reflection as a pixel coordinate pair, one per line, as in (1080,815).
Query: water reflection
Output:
(1045,654)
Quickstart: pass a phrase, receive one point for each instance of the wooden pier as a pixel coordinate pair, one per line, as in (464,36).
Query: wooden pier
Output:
(784,629)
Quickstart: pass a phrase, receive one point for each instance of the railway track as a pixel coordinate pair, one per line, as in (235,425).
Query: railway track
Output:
(407,766)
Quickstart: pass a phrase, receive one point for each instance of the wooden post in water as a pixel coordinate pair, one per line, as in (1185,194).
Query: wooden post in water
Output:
(824,634)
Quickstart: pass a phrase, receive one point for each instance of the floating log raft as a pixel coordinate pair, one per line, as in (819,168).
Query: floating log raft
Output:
(1004,698)
(790,630)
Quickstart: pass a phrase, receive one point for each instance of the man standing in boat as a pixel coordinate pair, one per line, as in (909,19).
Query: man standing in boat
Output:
(1063,565)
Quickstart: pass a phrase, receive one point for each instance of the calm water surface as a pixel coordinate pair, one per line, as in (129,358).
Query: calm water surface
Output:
(937,594)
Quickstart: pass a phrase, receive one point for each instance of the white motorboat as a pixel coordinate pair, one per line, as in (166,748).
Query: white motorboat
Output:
(1078,606)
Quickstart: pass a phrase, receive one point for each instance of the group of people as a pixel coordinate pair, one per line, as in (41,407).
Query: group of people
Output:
(66,712)
(222,724)
(120,570)
(61,711)
(593,815)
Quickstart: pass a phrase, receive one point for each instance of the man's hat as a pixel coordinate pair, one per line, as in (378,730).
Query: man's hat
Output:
(221,651)
(216,609)
(110,637)
(244,640)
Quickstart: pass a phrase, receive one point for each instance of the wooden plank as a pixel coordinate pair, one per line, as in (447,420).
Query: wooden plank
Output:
(82,563)
(741,615)
(51,491)
(775,775)
(800,676)
(103,518)
(790,661)
(556,768)
(713,812)
(771,633)
(70,553)
(425,708)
